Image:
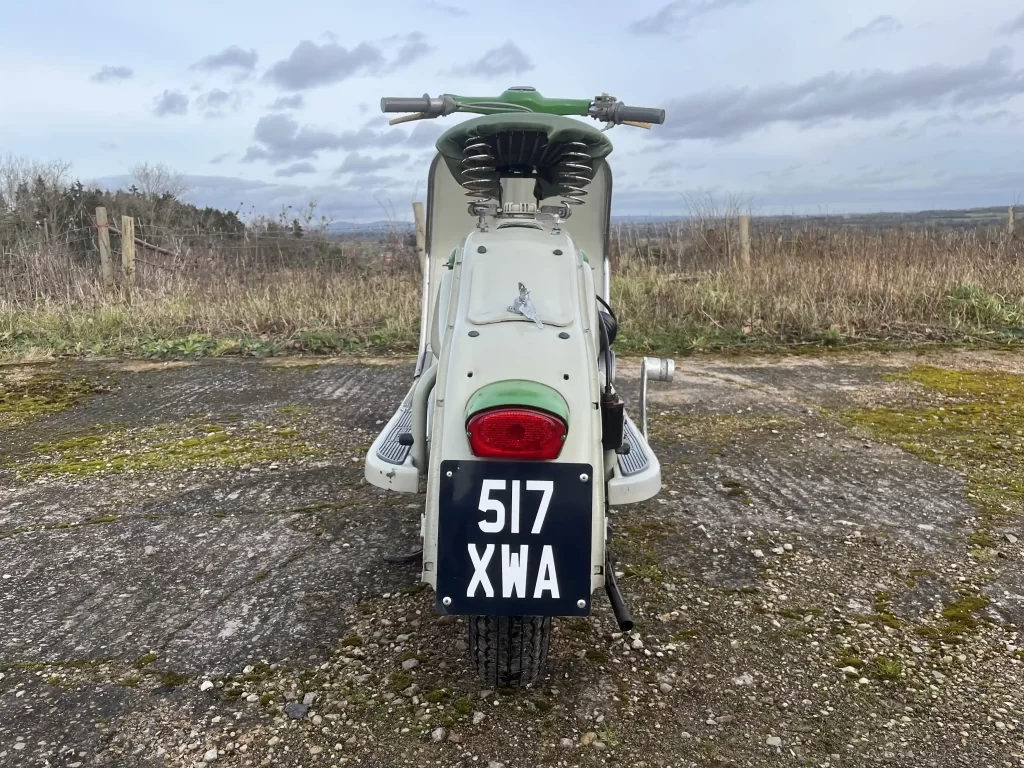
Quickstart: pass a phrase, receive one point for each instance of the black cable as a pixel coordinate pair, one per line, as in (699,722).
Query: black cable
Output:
(607,350)
(609,308)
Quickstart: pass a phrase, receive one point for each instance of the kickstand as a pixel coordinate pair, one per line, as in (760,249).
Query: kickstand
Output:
(410,557)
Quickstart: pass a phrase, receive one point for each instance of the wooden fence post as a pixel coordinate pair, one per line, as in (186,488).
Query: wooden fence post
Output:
(103,236)
(421,235)
(128,250)
(1011,221)
(745,240)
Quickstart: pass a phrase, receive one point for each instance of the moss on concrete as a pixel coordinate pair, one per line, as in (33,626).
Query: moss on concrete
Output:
(41,394)
(166,447)
(969,421)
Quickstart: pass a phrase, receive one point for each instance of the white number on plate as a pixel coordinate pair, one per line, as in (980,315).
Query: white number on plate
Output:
(514,564)
(489,505)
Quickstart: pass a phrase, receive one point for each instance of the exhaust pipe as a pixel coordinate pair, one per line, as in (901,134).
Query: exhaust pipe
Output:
(611,585)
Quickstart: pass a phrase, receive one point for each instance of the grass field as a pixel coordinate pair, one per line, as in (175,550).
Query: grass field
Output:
(676,288)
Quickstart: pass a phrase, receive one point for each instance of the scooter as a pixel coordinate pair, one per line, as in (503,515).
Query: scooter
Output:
(512,427)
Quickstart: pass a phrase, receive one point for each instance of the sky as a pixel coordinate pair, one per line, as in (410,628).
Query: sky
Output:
(784,106)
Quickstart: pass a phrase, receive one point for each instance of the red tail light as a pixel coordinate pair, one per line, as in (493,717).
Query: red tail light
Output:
(516,433)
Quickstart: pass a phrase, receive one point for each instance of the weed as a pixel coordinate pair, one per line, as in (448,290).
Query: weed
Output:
(886,669)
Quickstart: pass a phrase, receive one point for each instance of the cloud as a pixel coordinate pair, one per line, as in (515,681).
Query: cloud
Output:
(677,14)
(413,47)
(881,25)
(503,60)
(425,134)
(865,95)
(311,65)
(280,138)
(449,10)
(295,169)
(232,57)
(171,103)
(296,101)
(116,72)
(214,103)
(219,158)
(1013,26)
(370,181)
(357,163)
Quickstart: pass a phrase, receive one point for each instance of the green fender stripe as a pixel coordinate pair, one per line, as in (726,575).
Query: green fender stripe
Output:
(518,392)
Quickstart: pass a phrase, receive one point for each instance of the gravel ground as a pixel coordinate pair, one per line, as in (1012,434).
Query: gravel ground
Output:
(191,575)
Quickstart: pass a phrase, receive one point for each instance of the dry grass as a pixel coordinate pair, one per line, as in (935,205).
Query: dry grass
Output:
(820,285)
(674,290)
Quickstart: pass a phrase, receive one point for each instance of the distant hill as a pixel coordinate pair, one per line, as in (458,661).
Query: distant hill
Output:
(954,218)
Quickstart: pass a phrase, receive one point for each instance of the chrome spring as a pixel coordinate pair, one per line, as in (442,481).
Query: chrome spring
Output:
(575,172)
(480,171)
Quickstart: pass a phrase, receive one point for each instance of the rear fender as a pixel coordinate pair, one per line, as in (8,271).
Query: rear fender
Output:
(483,344)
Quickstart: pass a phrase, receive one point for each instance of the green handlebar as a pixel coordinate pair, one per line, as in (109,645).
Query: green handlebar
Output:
(514,100)
(522,99)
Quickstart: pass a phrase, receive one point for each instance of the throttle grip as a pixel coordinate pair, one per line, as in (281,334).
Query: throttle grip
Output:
(639,115)
(393,104)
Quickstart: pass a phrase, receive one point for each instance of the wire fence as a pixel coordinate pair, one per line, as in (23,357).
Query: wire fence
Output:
(45,266)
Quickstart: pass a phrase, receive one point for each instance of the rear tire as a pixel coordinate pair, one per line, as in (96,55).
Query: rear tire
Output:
(509,651)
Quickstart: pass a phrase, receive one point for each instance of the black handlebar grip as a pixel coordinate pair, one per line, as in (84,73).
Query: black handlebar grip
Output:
(421,104)
(640,115)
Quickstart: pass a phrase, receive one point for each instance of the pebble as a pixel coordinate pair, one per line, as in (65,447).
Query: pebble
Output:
(252,698)
(206,686)
(758,554)
(588,738)
(1010,538)
(773,741)
(308,699)
(150,550)
(315,750)
(778,550)
(478,717)
(665,688)
(850,671)
(485,694)
(745,679)
(438,734)
(295,710)
(939,677)
(568,743)
(637,644)
(600,746)
(210,756)
(787,547)
(410,664)
(724,719)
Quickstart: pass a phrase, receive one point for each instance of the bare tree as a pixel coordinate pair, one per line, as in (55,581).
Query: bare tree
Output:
(158,180)
(17,171)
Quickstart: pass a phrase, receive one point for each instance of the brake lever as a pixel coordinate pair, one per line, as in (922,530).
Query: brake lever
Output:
(408,118)
(646,126)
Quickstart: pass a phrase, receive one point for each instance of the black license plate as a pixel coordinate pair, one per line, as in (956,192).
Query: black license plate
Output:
(513,538)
